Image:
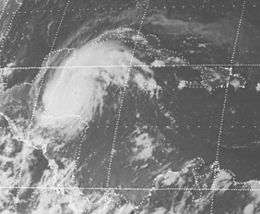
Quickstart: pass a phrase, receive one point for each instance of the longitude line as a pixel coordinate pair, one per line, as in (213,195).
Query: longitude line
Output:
(121,103)
(221,125)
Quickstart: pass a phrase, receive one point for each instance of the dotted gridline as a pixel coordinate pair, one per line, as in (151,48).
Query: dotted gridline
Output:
(227,66)
(221,125)
(135,189)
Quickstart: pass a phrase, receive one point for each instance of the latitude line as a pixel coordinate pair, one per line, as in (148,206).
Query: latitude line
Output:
(153,189)
(161,189)
(129,66)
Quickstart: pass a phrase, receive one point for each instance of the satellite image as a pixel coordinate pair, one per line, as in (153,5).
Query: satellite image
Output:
(130,106)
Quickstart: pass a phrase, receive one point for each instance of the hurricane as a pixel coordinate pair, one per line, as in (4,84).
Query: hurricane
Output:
(116,107)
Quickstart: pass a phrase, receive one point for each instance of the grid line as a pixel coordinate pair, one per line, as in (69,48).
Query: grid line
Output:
(119,115)
(9,25)
(35,101)
(122,96)
(134,189)
(128,66)
(49,11)
(221,125)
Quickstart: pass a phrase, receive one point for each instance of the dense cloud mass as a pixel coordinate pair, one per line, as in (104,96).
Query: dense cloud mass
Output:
(113,106)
